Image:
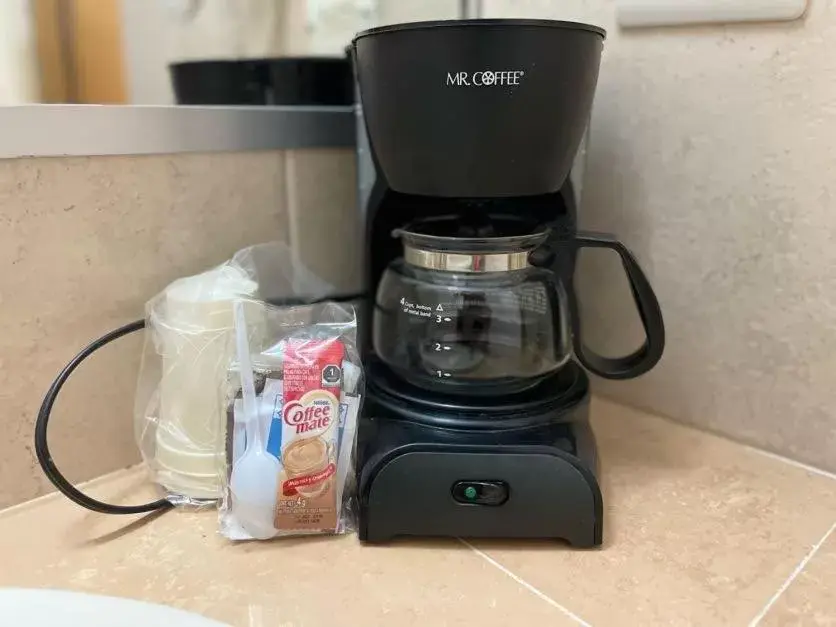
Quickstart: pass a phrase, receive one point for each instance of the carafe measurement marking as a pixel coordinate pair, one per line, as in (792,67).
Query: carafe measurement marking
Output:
(416,309)
(424,311)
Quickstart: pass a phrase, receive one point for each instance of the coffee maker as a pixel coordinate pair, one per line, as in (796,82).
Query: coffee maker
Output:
(476,416)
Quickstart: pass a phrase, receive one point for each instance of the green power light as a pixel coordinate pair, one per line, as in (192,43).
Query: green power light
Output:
(470,492)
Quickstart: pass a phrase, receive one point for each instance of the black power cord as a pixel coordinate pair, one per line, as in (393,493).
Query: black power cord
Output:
(42,422)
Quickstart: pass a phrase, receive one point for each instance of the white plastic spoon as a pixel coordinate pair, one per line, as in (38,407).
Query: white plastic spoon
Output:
(255,477)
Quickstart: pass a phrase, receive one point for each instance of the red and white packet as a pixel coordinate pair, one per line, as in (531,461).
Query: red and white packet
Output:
(307,496)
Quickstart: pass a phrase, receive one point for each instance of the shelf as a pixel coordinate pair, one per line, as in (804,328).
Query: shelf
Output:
(85,130)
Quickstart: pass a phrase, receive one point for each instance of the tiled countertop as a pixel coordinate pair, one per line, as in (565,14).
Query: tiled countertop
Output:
(698,531)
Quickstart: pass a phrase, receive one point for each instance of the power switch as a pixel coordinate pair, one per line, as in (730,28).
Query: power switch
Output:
(480,492)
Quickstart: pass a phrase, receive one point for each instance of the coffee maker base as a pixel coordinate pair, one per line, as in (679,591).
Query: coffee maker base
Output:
(417,480)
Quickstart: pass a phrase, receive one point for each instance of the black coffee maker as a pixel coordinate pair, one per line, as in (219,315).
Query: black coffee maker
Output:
(476,418)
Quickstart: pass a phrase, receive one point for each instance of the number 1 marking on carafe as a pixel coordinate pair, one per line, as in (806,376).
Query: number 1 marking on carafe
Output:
(441,373)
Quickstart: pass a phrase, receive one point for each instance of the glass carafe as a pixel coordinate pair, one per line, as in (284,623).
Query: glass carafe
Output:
(452,329)
(487,315)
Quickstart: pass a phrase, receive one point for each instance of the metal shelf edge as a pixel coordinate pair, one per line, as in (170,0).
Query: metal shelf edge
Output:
(88,130)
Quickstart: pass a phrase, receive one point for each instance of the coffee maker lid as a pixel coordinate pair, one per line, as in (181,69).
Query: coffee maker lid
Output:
(495,22)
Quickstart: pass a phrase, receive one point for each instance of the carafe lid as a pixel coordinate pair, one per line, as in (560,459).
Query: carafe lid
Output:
(485,235)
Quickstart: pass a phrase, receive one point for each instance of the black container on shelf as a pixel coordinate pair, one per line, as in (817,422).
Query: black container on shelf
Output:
(293,81)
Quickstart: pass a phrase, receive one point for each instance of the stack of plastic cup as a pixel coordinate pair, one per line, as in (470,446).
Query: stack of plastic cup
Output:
(193,328)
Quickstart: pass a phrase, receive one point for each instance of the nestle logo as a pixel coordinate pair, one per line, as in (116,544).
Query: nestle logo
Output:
(485,78)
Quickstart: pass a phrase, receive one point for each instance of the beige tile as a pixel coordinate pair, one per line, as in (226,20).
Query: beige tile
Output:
(325,224)
(811,597)
(698,530)
(178,559)
(84,242)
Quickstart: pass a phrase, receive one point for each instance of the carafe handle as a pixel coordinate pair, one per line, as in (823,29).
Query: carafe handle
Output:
(650,352)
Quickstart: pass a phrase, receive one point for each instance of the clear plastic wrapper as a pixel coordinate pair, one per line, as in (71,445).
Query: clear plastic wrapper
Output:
(180,403)
(294,476)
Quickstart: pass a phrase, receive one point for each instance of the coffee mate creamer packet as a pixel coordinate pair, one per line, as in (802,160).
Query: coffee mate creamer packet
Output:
(307,494)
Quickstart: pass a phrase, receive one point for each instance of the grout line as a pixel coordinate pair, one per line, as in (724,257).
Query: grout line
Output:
(526,585)
(811,469)
(54,494)
(795,573)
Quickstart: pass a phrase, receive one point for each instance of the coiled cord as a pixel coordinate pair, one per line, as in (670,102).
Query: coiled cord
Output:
(42,447)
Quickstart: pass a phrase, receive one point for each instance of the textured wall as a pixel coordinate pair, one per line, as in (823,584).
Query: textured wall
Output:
(712,154)
(84,242)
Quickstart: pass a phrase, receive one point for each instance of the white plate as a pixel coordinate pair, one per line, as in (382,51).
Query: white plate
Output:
(21,607)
